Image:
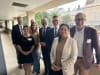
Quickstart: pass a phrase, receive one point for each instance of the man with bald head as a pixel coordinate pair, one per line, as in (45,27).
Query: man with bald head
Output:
(17,31)
(32,21)
(43,33)
(87,40)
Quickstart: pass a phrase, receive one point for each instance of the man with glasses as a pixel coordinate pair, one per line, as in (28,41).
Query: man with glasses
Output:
(87,40)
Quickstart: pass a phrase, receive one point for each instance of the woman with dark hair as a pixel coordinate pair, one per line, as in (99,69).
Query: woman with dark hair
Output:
(25,46)
(63,52)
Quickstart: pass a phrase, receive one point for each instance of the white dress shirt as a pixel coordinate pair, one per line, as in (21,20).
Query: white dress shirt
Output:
(21,29)
(79,36)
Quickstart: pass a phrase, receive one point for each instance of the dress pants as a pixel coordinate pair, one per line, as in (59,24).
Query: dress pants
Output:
(36,62)
(46,60)
(57,72)
(80,68)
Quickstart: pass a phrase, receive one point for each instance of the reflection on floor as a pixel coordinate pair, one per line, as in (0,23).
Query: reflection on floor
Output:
(11,62)
(10,57)
(2,60)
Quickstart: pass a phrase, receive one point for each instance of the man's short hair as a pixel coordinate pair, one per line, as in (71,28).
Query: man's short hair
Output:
(55,16)
(82,14)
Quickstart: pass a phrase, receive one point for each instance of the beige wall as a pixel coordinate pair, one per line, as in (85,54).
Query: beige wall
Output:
(92,12)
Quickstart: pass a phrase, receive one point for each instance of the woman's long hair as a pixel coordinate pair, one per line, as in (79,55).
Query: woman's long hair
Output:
(32,30)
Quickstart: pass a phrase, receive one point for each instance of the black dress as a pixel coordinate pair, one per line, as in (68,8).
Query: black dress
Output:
(26,44)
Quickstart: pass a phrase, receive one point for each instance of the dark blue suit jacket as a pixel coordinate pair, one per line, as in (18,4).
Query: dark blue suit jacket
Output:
(51,36)
(46,49)
(16,34)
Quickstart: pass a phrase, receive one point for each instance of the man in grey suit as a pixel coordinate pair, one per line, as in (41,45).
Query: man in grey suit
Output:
(87,40)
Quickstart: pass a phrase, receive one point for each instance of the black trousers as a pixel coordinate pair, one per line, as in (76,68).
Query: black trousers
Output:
(56,72)
(46,59)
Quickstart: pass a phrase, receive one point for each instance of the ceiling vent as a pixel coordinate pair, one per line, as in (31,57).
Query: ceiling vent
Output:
(19,4)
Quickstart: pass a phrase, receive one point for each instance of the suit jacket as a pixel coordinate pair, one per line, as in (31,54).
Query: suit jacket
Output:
(16,34)
(90,41)
(51,36)
(69,55)
(46,49)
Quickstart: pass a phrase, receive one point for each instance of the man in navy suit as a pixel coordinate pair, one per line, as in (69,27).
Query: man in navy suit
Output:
(17,31)
(87,40)
(54,32)
(43,33)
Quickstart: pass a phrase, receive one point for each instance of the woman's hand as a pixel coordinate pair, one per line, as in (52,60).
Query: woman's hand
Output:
(43,44)
(26,53)
(55,67)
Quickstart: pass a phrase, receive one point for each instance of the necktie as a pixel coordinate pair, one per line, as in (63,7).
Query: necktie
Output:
(55,32)
(21,29)
(44,31)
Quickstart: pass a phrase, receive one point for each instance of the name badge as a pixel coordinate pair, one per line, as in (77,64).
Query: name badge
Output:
(88,41)
(29,39)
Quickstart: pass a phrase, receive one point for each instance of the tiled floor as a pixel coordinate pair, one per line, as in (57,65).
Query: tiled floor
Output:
(11,62)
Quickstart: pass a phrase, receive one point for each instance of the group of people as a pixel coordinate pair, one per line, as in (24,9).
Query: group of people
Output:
(65,51)
(26,42)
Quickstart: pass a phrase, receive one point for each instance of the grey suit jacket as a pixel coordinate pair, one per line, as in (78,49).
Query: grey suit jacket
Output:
(90,42)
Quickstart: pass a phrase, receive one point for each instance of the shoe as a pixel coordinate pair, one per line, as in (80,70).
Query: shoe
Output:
(44,73)
(33,71)
(37,73)
(20,66)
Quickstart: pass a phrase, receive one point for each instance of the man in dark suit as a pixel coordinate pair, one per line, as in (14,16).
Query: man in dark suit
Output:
(87,40)
(17,31)
(43,33)
(54,32)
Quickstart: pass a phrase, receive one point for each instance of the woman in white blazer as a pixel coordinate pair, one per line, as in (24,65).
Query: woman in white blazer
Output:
(63,53)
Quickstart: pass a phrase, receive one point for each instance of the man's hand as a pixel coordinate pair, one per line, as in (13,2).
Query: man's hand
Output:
(43,44)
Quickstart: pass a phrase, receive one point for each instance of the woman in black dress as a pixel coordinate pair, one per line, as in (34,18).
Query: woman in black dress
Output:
(25,46)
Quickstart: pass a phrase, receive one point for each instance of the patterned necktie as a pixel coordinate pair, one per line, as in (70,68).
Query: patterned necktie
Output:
(21,29)
(44,31)
(55,32)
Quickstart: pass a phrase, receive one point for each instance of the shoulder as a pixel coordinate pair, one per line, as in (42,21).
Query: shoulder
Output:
(40,29)
(90,29)
(48,27)
(14,26)
(51,29)
(72,28)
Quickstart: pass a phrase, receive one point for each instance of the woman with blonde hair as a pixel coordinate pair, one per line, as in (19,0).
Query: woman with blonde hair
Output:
(36,53)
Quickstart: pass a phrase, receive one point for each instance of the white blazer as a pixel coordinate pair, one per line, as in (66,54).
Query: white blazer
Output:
(69,55)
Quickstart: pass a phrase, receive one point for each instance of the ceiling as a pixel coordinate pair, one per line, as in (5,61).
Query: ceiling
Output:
(7,11)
